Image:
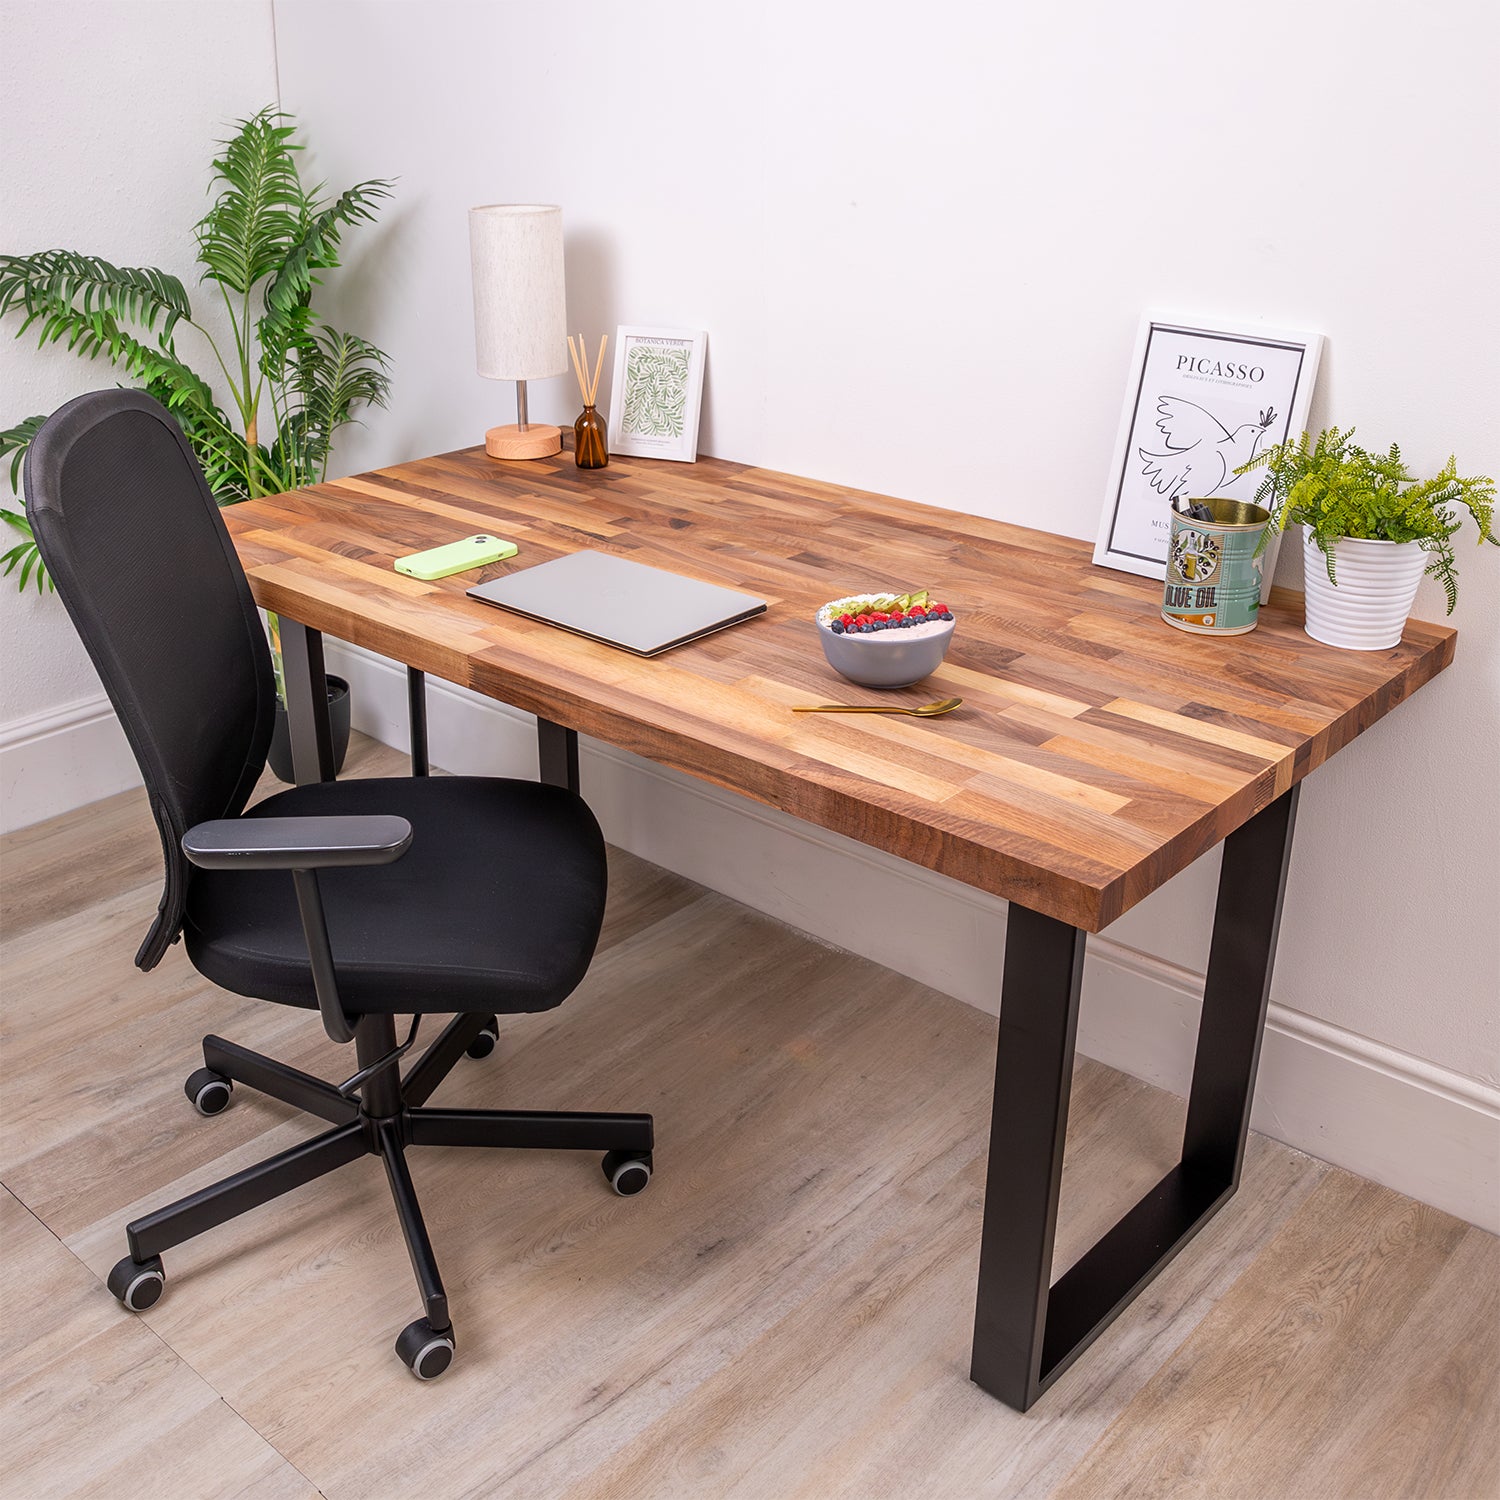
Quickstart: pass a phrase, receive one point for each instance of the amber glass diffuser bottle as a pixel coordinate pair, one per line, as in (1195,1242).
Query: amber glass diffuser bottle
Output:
(590,437)
(590,440)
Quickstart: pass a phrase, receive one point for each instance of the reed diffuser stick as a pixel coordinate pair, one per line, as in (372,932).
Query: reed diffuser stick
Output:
(579,366)
(598,367)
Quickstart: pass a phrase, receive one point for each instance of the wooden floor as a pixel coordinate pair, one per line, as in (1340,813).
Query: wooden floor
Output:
(786,1312)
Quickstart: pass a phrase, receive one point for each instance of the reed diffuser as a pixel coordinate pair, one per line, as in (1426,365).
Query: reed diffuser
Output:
(590,438)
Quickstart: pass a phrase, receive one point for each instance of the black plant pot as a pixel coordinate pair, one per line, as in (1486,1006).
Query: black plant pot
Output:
(281,737)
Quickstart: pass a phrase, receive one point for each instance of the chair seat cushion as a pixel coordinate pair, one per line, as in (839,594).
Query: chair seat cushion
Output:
(496,906)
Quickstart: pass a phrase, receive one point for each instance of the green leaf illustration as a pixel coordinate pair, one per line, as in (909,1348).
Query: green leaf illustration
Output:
(656,381)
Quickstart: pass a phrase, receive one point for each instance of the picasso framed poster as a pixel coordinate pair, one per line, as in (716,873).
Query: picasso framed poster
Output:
(657,393)
(1202,400)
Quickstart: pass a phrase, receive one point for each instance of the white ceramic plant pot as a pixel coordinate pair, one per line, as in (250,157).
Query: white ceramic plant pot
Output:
(1377,582)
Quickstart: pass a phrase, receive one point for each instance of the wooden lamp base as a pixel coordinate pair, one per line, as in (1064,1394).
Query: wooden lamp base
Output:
(535,440)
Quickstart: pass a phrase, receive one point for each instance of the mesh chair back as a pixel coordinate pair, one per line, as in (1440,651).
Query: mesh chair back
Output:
(144,565)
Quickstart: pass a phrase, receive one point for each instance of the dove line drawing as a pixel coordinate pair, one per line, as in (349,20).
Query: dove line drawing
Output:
(1201,453)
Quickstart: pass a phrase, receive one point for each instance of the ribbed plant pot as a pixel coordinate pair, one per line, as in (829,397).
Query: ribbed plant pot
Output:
(1377,583)
(280,756)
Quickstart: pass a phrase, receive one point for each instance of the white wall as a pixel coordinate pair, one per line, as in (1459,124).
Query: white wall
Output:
(108,117)
(920,241)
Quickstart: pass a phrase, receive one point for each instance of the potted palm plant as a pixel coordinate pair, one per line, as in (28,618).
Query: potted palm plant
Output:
(291,379)
(1373,530)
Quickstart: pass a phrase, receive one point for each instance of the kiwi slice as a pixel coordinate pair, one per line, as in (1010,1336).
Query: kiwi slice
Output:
(884,603)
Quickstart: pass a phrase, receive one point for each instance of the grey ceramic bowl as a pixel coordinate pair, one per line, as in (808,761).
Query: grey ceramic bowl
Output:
(888,658)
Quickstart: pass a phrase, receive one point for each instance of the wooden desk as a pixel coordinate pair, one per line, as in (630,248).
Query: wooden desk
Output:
(1098,753)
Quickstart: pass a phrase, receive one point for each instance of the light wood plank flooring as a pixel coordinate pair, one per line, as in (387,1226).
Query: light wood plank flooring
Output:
(785,1312)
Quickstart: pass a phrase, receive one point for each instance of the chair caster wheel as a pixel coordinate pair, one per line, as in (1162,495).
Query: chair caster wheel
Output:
(137,1283)
(424,1352)
(627,1172)
(486,1041)
(209,1092)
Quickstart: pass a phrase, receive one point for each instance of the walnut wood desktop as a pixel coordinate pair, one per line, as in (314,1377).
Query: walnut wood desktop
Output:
(1098,752)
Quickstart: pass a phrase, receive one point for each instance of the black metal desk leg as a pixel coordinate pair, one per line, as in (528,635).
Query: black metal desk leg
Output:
(1033,1080)
(1027,1332)
(416,704)
(306,702)
(1247,921)
(557,754)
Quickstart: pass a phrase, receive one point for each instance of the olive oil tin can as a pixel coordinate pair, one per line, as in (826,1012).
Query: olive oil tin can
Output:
(1214,568)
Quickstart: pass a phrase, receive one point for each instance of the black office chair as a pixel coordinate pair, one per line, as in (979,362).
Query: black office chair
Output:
(363,900)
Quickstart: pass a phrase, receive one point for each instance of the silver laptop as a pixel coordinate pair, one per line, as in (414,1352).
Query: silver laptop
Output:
(622,603)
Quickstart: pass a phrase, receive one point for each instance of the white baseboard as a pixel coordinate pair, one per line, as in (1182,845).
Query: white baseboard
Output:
(64,758)
(1421,1129)
(1397,1119)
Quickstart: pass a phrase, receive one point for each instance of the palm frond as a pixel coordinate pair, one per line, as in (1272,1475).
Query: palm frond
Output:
(15,441)
(53,285)
(261,210)
(25,555)
(220,450)
(336,372)
(282,332)
(317,248)
(288,319)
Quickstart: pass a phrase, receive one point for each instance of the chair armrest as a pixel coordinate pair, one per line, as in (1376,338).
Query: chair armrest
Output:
(304,846)
(296,843)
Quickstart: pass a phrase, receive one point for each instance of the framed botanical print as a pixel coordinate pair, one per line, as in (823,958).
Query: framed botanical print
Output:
(1202,400)
(657,394)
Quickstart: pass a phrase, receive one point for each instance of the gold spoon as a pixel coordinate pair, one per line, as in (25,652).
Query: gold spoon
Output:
(922,710)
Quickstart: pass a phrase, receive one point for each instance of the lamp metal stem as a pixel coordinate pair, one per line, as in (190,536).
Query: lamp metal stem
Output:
(521,405)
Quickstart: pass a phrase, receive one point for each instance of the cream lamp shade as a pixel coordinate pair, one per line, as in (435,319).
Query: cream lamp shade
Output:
(520,319)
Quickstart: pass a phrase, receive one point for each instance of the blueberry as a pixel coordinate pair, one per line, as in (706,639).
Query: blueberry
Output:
(837,627)
(946,615)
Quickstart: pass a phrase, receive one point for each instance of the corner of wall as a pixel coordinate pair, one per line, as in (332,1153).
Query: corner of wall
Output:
(62,758)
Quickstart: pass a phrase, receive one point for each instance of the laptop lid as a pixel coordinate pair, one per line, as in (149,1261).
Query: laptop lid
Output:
(622,603)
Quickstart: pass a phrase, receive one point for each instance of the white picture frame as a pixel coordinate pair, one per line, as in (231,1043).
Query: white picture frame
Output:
(1202,398)
(656,398)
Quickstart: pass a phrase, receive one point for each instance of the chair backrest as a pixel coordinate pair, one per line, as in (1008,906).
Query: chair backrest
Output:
(144,565)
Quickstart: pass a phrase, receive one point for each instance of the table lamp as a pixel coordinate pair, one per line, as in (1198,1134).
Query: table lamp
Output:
(520,320)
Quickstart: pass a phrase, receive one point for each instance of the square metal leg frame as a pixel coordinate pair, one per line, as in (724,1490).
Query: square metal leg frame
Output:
(1027,1329)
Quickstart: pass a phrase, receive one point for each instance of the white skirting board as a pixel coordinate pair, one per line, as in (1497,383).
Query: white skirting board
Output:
(1424,1130)
(64,758)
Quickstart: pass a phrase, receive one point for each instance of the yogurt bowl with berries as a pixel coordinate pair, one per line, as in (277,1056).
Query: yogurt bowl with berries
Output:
(885,640)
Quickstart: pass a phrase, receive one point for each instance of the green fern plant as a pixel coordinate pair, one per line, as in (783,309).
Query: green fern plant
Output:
(1336,488)
(291,379)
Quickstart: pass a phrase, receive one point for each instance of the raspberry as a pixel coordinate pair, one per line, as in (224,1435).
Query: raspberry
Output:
(939,609)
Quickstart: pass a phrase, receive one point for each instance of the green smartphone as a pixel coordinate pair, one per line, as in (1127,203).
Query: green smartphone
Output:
(456,557)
